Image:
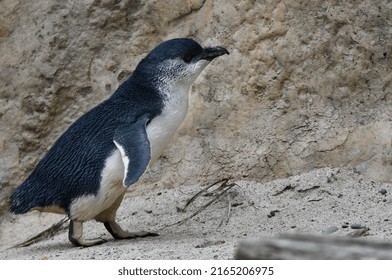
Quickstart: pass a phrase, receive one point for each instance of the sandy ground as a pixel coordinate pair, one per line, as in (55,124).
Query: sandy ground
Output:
(322,202)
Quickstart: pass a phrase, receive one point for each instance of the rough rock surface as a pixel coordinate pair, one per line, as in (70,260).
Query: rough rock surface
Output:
(307,84)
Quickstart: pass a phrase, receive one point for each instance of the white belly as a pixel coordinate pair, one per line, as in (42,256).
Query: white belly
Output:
(159,133)
(162,128)
(89,206)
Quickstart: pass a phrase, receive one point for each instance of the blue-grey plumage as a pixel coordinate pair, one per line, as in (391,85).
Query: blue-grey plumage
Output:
(86,172)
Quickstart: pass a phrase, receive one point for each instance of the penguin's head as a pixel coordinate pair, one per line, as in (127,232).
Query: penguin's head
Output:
(179,60)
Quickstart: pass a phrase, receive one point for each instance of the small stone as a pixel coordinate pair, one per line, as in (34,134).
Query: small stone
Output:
(331,230)
(344,226)
(236,204)
(272,213)
(383,191)
(293,226)
(357,226)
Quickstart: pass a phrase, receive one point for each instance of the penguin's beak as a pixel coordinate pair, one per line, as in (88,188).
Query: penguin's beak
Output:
(213,52)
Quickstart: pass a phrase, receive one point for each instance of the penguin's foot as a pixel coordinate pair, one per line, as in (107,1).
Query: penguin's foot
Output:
(75,235)
(118,233)
(88,242)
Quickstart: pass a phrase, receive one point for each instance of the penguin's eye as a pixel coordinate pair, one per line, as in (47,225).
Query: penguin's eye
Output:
(187,58)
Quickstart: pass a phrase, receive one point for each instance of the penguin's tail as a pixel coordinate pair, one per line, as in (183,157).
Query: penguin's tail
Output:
(21,200)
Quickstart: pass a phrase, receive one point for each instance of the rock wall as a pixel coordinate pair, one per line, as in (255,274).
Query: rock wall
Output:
(307,84)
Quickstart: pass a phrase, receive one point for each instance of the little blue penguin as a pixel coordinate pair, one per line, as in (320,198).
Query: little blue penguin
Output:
(87,171)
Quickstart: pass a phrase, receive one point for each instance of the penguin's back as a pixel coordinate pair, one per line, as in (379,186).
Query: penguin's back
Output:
(72,167)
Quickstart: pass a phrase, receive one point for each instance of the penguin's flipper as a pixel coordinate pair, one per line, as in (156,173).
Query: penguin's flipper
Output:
(132,142)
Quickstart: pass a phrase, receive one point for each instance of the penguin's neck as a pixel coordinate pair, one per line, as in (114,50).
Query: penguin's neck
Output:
(175,96)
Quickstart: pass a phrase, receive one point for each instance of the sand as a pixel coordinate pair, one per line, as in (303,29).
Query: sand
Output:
(327,201)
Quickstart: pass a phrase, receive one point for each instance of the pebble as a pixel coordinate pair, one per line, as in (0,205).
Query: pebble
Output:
(383,191)
(344,226)
(272,213)
(235,204)
(357,226)
(331,230)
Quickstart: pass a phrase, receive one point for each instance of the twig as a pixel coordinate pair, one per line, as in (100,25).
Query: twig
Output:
(52,231)
(226,218)
(223,181)
(224,187)
(206,205)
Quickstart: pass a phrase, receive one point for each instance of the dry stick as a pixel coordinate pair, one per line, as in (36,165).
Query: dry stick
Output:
(226,218)
(227,188)
(223,181)
(55,228)
(207,204)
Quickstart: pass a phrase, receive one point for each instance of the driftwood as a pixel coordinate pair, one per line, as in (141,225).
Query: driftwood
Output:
(300,247)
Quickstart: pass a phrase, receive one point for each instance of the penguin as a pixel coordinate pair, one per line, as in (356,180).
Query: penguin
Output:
(87,171)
